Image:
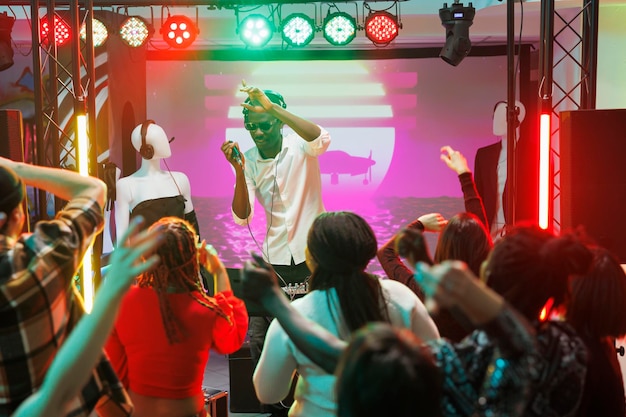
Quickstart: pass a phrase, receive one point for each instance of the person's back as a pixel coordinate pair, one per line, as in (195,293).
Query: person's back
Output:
(342,298)
(530,268)
(596,309)
(39,302)
(167,325)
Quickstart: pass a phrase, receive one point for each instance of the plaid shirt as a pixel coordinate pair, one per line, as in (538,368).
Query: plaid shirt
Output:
(39,306)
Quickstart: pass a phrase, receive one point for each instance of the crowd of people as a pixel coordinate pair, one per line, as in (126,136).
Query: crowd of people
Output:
(518,323)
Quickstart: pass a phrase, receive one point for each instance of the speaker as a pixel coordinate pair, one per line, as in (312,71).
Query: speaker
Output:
(593,175)
(12,135)
(241,391)
(146,150)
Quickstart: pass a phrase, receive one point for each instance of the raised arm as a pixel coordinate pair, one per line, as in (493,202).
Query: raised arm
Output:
(64,184)
(209,259)
(74,362)
(390,260)
(306,129)
(260,285)
(457,162)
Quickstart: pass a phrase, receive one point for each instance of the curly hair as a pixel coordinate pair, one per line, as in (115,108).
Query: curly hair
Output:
(178,271)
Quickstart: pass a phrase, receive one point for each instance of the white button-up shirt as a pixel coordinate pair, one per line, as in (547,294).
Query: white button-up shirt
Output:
(289,187)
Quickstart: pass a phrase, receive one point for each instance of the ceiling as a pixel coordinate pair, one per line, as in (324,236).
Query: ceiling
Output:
(421,25)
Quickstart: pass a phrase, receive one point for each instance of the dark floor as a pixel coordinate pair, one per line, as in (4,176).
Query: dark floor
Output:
(217,376)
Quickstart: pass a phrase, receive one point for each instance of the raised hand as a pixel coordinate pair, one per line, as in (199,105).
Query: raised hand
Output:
(410,244)
(259,102)
(433,222)
(454,160)
(259,281)
(208,257)
(132,257)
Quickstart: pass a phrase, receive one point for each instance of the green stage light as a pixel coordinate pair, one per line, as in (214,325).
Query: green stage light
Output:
(255,30)
(339,28)
(298,29)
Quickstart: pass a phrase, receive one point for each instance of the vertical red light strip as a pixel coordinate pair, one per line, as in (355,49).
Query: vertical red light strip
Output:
(544,170)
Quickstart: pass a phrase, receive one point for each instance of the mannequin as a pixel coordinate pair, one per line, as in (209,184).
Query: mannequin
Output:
(152,191)
(490,169)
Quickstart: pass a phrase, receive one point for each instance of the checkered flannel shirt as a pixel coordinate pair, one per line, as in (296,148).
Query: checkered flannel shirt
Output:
(39,306)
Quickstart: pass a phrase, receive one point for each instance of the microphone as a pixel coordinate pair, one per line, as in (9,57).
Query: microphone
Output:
(236,154)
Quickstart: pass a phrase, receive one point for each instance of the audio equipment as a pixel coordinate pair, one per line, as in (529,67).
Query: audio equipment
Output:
(236,154)
(146,150)
(11,135)
(242,395)
(593,184)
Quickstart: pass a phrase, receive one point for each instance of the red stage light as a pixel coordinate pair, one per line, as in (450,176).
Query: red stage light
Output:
(61,30)
(179,31)
(381,27)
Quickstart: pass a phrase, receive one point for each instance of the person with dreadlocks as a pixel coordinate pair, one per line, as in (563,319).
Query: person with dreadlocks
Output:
(342,298)
(167,324)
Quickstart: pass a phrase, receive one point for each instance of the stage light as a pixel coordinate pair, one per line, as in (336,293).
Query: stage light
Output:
(381,27)
(6,50)
(339,28)
(255,30)
(456,19)
(100,32)
(179,31)
(135,32)
(298,29)
(61,30)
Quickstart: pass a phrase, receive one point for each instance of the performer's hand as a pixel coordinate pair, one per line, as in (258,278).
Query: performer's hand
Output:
(454,160)
(433,222)
(259,102)
(231,151)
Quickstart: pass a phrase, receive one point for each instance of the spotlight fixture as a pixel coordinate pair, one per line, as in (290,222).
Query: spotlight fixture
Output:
(456,19)
(255,30)
(381,27)
(100,32)
(339,28)
(6,51)
(298,29)
(135,32)
(179,31)
(60,29)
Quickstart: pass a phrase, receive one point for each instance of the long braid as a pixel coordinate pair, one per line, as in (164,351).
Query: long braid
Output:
(178,272)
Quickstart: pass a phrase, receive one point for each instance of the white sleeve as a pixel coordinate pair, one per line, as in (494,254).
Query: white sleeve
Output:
(273,374)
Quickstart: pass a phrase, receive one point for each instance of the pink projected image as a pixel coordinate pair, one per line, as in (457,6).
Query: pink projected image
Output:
(387,118)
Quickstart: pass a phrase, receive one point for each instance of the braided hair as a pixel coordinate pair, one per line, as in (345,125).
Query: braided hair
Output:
(178,271)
